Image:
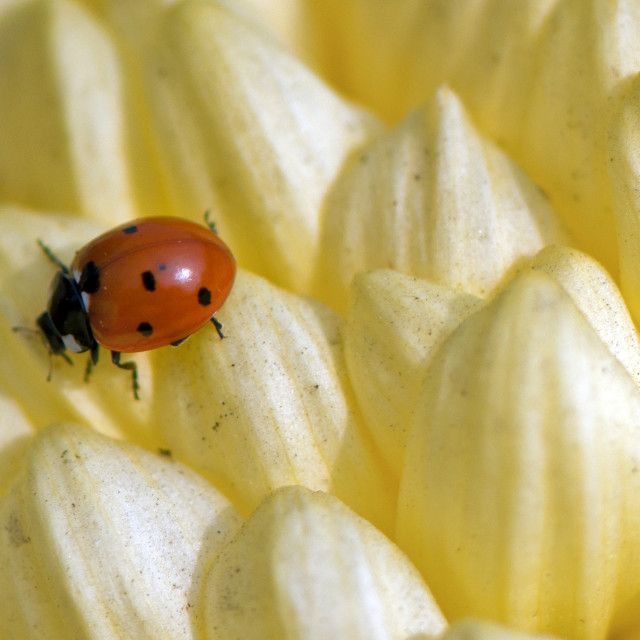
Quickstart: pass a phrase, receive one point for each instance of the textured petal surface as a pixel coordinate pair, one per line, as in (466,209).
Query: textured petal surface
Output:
(270,405)
(394,327)
(441,203)
(234,116)
(519,498)
(540,77)
(104,540)
(72,125)
(595,293)
(304,567)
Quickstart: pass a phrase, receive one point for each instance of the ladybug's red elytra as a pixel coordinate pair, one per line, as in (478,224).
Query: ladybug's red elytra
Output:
(143,285)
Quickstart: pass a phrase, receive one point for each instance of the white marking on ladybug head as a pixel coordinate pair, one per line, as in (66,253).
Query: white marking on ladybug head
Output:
(71,344)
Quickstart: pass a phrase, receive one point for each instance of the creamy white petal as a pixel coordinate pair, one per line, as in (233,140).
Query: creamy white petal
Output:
(624,169)
(271,405)
(595,293)
(305,567)
(477,629)
(394,326)
(73,132)
(104,540)
(521,493)
(434,199)
(105,400)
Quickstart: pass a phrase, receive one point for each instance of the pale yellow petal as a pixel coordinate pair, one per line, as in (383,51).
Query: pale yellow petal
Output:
(72,126)
(584,50)
(541,77)
(305,567)
(15,433)
(623,140)
(248,131)
(476,629)
(520,495)
(270,405)
(595,293)
(390,56)
(433,199)
(394,326)
(105,540)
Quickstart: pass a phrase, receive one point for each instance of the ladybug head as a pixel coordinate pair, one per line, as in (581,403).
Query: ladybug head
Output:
(65,324)
(52,338)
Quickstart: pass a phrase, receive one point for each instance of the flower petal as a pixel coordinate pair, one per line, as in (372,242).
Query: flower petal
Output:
(304,566)
(103,540)
(435,200)
(71,128)
(623,142)
(15,433)
(270,405)
(540,77)
(394,327)
(248,131)
(475,629)
(595,293)
(521,492)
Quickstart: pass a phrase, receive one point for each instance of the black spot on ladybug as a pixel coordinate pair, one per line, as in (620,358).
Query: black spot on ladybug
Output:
(204,296)
(145,329)
(129,230)
(89,278)
(162,266)
(148,281)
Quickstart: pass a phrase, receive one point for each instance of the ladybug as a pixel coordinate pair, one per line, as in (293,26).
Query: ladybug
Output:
(143,285)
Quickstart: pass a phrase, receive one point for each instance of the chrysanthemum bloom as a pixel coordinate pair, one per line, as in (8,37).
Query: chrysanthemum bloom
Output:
(424,420)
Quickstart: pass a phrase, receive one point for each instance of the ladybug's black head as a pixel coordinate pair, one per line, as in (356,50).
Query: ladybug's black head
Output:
(65,325)
(51,336)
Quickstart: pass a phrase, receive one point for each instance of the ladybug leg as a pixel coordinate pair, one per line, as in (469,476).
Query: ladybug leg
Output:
(94,352)
(64,355)
(93,359)
(218,325)
(53,257)
(130,366)
(210,223)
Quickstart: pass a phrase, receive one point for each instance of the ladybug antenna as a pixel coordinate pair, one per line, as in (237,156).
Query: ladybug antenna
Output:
(27,330)
(53,257)
(38,332)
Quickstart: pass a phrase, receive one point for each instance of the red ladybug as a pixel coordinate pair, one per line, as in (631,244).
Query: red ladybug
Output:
(143,285)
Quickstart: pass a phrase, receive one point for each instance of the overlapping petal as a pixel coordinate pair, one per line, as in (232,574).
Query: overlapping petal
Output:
(305,566)
(394,327)
(73,125)
(236,119)
(475,629)
(271,405)
(432,198)
(510,419)
(542,78)
(519,497)
(622,146)
(104,540)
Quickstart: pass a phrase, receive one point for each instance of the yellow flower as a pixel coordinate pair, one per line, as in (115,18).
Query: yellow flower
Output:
(424,420)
